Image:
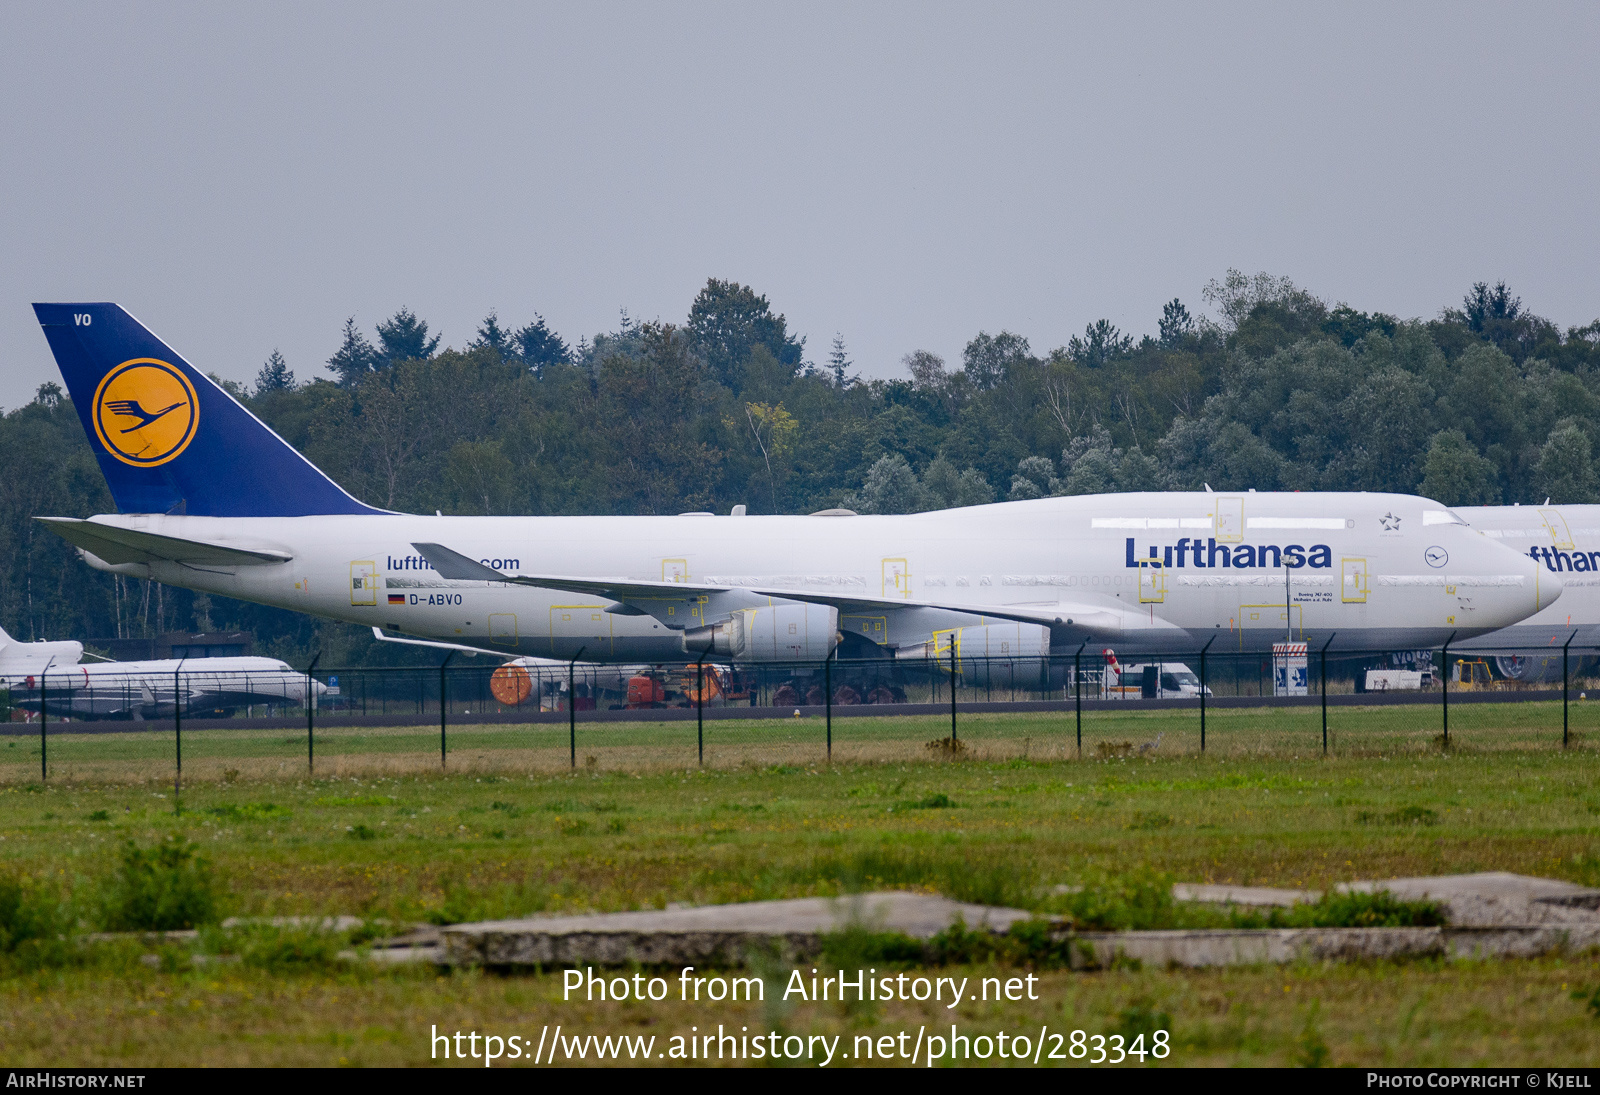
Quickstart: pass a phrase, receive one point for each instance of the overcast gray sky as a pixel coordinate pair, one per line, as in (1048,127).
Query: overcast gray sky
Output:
(245,176)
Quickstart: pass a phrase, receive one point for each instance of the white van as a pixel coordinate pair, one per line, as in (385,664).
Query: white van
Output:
(1153,681)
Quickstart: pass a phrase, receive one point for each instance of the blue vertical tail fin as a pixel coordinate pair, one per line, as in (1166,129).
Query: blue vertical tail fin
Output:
(168,439)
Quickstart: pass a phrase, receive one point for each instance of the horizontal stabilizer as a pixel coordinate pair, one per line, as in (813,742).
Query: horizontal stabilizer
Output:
(125,545)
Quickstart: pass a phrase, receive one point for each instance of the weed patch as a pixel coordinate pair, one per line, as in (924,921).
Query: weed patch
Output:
(167,887)
(857,947)
(1379,909)
(1141,1019)
(463,903)
(940,801)
(251,811)
(1311,1049)
(1150,820)
(1405,815)
(33,919)
(280,949)
(1140,901)
(1590,999)
(1030,942)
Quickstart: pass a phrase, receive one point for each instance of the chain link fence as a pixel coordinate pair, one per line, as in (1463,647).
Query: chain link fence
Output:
(1292,701)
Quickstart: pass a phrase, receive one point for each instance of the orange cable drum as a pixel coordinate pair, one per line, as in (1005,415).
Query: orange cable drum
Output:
(511,685)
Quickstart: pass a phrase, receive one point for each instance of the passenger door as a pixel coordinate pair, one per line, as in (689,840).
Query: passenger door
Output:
(503,628)
(1230,520)
(364,583)
(1560,535)
(1152,581)
(897,579)
(1353,582)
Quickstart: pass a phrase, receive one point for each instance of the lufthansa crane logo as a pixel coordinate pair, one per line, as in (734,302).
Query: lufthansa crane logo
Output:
(145,412)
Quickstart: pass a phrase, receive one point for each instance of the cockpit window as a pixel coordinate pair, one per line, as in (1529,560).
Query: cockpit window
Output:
(1441,517)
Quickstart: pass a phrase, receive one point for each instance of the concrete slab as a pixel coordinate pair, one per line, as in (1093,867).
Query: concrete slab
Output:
(1526,941)
(721,934)
(1246,947)
(314,923)
(1497,899)
(1200,949)
(1502,885)
(420,944)
(1252,896)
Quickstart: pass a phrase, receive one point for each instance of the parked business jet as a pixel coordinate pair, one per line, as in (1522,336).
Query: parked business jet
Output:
(213,500)
(1565,542)
(54,674)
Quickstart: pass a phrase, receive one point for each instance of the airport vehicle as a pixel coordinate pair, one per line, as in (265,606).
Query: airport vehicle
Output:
(1565,542)
(53,676)
(1396,680)
(213,500)
(1472,675)
(1152,681)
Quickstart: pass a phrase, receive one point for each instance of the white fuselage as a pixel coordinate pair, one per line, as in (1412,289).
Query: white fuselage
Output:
(1564,542)
(146,689)
(1158,571)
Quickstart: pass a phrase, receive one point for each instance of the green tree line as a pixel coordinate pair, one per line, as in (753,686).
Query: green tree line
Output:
(1486,402)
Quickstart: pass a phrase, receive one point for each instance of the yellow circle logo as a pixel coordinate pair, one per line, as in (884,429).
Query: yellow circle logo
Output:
(145,412)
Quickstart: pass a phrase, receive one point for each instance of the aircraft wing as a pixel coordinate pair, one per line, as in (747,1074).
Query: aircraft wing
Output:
(454,566)
(1093,621)
(125,545)
(377,633)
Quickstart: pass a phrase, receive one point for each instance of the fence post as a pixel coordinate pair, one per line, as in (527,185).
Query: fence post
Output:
(1564,687)
(44,703)
(572,708)
(1077,691)
(1203,650)
(952,689)
(1444,665)
(177,732)
(1325,693)
(311,707)
(699,708)
(827,687)
(444,705)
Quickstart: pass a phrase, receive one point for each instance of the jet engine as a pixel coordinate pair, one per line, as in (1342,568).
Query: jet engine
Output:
(997,641)
(996,655)
(777,633)
(1543,667)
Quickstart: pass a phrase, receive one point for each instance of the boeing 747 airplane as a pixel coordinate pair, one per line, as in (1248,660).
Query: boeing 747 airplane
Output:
(1565,541)
(53,676)
(211,499)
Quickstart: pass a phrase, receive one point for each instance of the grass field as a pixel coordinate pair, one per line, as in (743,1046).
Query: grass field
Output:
(381,832)
(635,747)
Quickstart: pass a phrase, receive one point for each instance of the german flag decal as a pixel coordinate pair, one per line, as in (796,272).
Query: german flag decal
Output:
(397,598)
